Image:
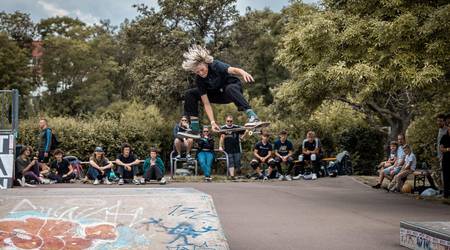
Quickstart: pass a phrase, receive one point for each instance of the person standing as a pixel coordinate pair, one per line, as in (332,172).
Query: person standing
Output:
(444,147)
(230,142)
(437,169)
(44,141)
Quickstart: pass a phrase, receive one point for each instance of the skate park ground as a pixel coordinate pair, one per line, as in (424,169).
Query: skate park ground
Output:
(329,213)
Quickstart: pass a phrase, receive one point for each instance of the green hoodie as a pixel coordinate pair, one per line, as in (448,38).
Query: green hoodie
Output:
(159,163)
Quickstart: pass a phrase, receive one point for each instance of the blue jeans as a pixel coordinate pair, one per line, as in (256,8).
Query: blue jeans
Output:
(95,174)
(205,159)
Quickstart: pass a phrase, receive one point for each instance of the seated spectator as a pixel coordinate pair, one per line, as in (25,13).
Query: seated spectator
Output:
(61,170)
(310,152)
(206,153)
(387,168)
(444,147)
(283,154)
(127,165)
(262,154)
(154,168)
(408,167)
(99,167)
(28,171)
(182,144)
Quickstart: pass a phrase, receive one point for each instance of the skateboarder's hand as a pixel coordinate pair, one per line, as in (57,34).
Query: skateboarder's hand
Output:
(247,77)
(215,126)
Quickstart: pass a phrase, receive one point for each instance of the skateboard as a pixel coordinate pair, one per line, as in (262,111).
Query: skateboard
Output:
(251,129)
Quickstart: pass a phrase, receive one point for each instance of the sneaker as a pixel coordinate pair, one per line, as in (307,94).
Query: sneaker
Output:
(208,179)
(281,177)
(106,181)
(162,181)
(136,182)
(120,181)
(188,157)
(265,178)
(21,182)
(314,177)
(189,134)
(297,177)
(53,182)
(178,157)
(252,121)
(45,181)
(96,182)
(377,186)
(142,181)
(288,178)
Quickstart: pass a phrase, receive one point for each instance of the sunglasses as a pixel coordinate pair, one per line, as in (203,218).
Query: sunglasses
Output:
(230,121)
(183,120)
(206,131)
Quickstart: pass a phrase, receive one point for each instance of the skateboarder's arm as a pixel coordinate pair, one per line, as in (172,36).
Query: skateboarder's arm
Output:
(237,71)
(209,112)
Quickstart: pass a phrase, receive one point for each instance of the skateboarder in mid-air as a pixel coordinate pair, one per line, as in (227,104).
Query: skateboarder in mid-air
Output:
(217,82)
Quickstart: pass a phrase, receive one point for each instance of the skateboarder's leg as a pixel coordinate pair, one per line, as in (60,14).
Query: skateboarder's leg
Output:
(191,99)
(235,94)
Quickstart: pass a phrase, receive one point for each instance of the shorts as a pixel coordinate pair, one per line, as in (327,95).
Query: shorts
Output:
(395,170)
(234,160)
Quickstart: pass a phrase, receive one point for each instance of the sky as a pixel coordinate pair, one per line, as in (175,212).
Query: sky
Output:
(92,11)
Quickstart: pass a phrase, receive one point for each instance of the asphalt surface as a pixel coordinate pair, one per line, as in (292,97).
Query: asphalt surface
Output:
(329,213)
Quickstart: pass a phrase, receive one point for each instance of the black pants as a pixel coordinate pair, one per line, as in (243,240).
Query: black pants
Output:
(290,164)
(446,174)
(125,174)
(230,93)
(60,178)
(153,173)
(42,158)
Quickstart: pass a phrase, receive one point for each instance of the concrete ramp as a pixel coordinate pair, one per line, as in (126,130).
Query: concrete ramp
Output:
(425,235)
(109,218)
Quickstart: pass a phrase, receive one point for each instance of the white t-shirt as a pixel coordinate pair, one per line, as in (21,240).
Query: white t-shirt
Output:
(400,154)
(411,161)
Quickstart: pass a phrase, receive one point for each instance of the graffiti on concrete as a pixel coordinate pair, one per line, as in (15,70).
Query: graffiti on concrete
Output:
(43,233)
(192,213)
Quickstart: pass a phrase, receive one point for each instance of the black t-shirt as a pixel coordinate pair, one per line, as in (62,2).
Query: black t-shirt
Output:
(283,148)
(216,79)
(311,146)
(131,158)
(232,140)
(445,142)
(206,143)
(263,149)
(62,167)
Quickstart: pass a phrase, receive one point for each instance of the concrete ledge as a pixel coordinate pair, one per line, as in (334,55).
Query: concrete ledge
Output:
(425,235)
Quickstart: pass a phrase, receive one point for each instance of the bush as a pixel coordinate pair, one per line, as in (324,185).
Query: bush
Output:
(366,148)
(142,127)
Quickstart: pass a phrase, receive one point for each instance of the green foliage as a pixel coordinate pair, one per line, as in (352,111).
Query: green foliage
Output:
(19,27)
(14,70)
(142,127)
(366,147)
(374,55)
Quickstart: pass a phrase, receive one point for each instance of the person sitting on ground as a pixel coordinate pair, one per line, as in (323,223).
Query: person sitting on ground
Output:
(262,153)
(127,165)
(61,170)
(230,142)
(27,170)
(310,152)
(154,167)
(180,142)
(387,168)
(283,154)
(206,153)
(99,167)
(408,167)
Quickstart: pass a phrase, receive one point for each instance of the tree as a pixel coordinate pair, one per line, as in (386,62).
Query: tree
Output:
(255,39)
(78,67)
(14,70)
(18,26)
(383,58)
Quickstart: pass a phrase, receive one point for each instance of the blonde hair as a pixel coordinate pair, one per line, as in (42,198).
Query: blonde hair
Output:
(195,55)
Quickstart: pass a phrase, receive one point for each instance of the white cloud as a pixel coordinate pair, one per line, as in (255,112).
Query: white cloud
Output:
(87,18)
(51,9)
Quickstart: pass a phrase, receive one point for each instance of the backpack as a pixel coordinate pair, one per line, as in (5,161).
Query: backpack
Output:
(54,141)
(76,165)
